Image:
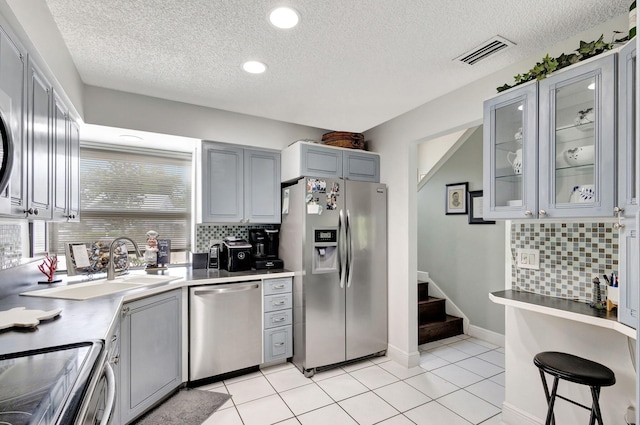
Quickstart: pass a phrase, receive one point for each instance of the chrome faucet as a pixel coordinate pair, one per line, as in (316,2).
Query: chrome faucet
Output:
(111,268)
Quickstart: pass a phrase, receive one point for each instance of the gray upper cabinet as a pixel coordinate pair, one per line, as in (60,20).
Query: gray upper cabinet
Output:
(313,159)
(39,146)
(549,146)
(320,161)
(361,166)
(73,156)
(240,185)
(627,154)
(12,85)
(578,140)
(511,154)
(150,352)
(66,163)
(60,164)
(262,186)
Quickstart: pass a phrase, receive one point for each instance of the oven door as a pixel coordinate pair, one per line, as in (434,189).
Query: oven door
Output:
(99,402)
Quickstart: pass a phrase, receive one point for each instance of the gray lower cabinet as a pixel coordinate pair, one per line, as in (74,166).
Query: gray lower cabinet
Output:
(629,290)
(150,352)
(313,159)
(240,185)
(278,319)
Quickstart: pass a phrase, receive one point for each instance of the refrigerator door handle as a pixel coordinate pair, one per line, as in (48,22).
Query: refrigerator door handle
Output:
(341,262)
(349,249)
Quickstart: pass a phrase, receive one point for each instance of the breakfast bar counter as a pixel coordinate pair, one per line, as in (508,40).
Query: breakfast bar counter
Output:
(562,308)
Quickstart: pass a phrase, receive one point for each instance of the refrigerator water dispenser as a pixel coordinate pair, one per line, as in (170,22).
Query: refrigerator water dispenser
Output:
(325,251)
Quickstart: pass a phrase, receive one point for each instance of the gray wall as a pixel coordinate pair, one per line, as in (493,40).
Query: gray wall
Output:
(465,260)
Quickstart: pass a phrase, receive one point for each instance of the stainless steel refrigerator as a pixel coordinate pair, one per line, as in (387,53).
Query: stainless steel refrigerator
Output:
(334,237)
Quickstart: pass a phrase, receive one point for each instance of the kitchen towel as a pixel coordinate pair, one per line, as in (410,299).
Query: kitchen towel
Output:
(186,407)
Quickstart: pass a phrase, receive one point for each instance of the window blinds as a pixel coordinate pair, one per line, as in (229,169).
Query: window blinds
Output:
(127,192)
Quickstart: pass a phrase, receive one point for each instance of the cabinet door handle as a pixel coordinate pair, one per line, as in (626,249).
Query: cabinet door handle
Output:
(618,226)
(528,213)
(33,211)
(542,212)
(278,344)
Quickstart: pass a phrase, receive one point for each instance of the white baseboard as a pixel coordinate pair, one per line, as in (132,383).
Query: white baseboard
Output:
(407,360)
(492,337)
(511,415)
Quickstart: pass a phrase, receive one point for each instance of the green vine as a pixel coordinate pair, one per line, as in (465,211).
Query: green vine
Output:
(548,64)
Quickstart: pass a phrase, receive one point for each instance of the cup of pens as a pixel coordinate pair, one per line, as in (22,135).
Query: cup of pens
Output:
(613,291)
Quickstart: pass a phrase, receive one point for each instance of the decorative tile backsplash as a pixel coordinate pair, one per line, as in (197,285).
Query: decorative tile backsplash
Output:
(10,246)
(571,254)
(205,233)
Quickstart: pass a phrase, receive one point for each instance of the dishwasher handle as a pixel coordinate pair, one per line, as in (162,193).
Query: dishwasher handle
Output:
(226,290)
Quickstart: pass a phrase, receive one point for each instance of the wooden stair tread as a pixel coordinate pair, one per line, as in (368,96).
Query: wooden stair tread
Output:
(434,331)
(449,319)
(431,300)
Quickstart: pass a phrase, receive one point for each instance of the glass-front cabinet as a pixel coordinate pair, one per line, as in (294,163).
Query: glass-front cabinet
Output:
(577,141)
(549,146)
(511,126)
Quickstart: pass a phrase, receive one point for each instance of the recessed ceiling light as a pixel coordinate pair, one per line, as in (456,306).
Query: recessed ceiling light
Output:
(284,17)
(130,137)
(254,67)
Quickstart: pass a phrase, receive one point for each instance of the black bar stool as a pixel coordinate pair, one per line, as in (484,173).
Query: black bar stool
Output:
(574,369)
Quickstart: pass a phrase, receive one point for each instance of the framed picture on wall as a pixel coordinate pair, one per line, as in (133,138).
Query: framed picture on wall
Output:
(475,208)
(456,198)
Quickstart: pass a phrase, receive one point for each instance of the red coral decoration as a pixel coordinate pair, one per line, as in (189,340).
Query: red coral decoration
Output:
(49,266)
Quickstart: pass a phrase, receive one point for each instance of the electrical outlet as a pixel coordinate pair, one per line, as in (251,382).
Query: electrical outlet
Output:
(528,259)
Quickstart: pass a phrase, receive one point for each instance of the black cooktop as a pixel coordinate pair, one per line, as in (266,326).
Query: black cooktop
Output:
(36,386)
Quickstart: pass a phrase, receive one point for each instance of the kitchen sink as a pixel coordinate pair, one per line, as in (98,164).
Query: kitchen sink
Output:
(98,288)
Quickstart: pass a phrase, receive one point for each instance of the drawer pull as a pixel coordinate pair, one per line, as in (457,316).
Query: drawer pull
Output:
(278,303)
(281,286)
(279,319)
(278,344)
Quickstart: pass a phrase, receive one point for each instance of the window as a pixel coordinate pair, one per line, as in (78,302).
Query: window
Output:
(127,192)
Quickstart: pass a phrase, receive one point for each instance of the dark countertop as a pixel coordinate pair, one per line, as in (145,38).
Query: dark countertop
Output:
(91,319)
(560,307)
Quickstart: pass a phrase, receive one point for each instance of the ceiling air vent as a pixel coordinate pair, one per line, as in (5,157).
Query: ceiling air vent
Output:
(486,49)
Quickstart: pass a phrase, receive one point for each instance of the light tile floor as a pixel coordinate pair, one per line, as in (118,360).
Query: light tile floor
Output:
(460,381)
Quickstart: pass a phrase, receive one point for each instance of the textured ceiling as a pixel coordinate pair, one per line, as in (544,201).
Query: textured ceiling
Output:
(349,65)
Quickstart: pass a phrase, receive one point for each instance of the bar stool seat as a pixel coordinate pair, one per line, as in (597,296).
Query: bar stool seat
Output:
(573,369)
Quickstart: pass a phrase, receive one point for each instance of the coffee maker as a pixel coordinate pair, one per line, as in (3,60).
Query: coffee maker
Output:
(264,248)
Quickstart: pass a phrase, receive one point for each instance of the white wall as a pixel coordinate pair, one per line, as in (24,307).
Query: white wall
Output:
(465,260)
(396,141)
(431,151)
(127,110)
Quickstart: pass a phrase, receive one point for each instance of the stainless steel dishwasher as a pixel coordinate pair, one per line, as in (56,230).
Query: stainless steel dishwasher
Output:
(225,328)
